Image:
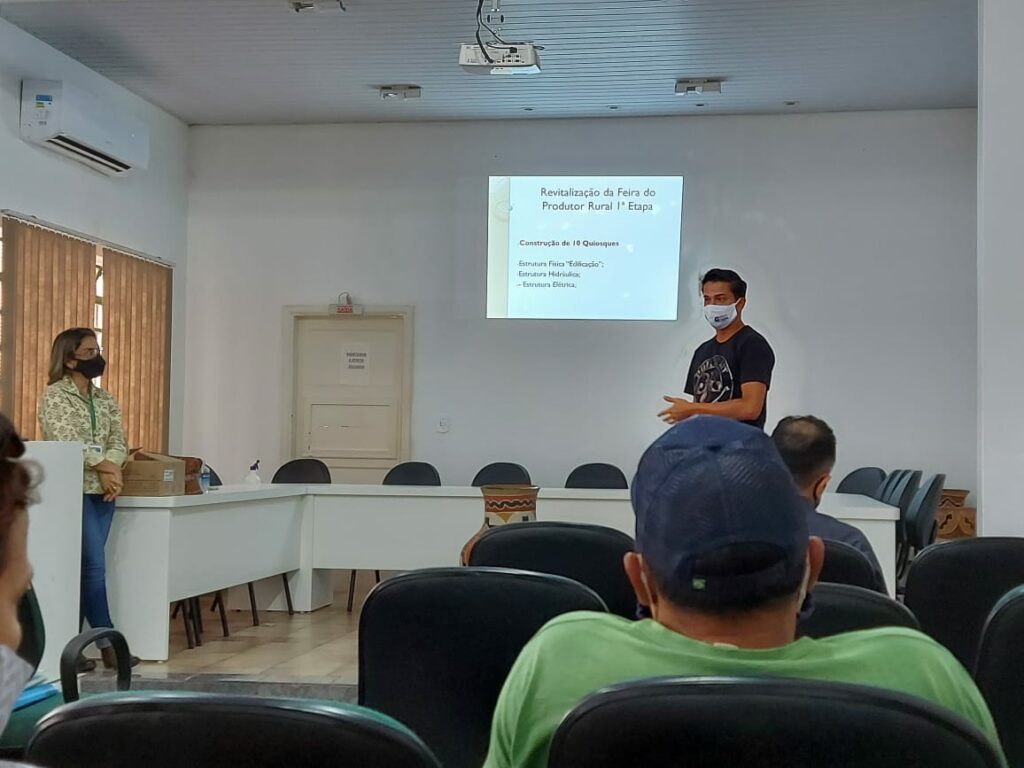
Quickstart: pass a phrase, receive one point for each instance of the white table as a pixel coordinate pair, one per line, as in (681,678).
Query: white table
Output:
(165,549)
(162,550)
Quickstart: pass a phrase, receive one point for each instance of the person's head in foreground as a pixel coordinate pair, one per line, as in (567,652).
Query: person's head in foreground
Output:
(807,446)
(721,535)
(724,561)
(15,571)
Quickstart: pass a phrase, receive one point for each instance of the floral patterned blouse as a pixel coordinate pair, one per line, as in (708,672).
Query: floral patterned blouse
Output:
(65,415)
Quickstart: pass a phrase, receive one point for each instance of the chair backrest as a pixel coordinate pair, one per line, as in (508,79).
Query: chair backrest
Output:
(502,473)
(865,480)
(436,645)
(885,488)
(311,471)
(921,525)
(412,473)
(596,475)
(902,491)
(842,608)
(33,631)
(999,671)
(193,729)
(952,587)
(215,481)
(845,564)
(589,554)
(763,723)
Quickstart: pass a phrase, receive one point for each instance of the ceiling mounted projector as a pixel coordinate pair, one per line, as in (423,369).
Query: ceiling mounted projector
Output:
(318,6)
(698,85)
(511,59)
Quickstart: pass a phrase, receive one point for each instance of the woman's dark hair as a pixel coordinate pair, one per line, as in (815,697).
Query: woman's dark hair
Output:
(64,347)
(737,284)
(15,482)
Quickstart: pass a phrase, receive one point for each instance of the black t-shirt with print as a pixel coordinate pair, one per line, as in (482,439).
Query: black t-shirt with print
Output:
(718,370)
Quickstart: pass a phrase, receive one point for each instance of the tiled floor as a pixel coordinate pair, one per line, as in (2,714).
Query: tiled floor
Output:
(311,648)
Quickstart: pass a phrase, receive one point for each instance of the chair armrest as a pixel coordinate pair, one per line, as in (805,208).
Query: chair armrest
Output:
(69,660)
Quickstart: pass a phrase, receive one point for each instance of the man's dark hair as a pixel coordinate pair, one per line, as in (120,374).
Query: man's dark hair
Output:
(737,284)
(736,560)
(807,446)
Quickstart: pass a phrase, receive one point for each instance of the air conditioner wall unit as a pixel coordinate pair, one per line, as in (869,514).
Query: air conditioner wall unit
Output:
(68,120)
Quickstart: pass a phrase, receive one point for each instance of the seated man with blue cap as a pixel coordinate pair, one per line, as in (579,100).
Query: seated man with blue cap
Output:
(724,563)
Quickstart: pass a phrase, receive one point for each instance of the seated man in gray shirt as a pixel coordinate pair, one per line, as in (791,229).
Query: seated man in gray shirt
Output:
(808,447)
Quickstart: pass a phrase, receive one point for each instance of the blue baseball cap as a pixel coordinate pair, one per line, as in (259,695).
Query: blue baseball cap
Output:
(709,483)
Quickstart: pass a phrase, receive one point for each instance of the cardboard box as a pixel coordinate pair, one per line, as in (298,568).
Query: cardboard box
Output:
(153,474)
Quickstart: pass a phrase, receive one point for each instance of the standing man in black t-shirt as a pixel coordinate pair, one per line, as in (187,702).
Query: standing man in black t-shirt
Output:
(731,373)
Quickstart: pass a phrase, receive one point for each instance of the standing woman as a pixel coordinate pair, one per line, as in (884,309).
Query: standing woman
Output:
(74,409)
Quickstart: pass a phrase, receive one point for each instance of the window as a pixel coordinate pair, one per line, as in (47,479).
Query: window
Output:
(52,280)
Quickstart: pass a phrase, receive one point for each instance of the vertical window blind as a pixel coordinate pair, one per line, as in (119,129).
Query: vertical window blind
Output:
(137,331)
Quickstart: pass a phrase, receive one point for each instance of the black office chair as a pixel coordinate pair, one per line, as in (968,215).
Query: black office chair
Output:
(921,524)
(864,481)
(842,608)
(406,473)
(999,671)
(302,471)
(502,473)
(589,554)
(33,644)
(190,730)
(898,491)
(885,489)
(412,473)
(436,645)
(763,723)
(596,475)
(953,586)
(845,564)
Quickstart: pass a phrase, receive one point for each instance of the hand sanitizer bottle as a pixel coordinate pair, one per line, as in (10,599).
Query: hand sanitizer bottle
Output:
(253,478)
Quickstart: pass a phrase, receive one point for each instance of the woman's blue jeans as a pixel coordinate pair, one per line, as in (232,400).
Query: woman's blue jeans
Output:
(97,516)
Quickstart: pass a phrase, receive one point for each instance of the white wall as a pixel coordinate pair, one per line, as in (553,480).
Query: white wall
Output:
(145,211)
(855,231)
(1000,268)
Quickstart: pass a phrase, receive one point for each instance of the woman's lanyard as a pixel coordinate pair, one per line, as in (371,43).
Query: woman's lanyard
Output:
(92,413)
(92,416)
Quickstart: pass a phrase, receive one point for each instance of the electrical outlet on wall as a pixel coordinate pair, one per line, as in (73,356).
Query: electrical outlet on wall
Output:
(443,424)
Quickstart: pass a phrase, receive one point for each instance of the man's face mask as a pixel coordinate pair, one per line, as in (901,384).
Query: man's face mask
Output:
(720,316)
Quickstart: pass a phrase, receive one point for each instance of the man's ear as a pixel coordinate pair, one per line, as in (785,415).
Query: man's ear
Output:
(815,560)
(820,486)
(633,563)
(741,304)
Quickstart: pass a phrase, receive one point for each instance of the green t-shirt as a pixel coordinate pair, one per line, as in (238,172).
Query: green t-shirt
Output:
(579,653)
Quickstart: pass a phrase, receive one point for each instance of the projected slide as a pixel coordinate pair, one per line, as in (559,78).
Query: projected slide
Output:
(584,247)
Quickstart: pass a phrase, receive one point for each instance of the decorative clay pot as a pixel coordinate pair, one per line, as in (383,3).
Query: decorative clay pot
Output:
(504,504)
